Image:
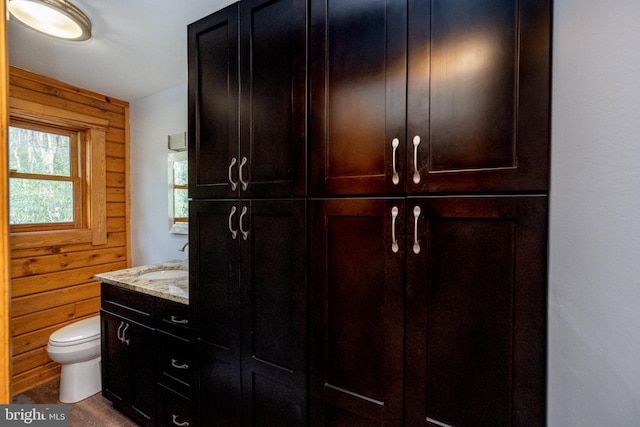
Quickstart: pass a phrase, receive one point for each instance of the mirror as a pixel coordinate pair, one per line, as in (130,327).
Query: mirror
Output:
(178,193)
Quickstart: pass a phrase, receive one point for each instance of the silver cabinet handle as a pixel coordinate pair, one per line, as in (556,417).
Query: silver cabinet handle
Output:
(174,363)
(245,184)
(175,421)
(234,233)
(245,234)
(394,149)
(234,185)
(394,240)
(124,331)
(416,215)
(416,171)
(119,333)
(179,321)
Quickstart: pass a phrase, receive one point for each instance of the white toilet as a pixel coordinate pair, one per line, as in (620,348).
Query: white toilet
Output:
(77,348)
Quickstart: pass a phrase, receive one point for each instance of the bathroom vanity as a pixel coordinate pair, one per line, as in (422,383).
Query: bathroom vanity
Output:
(146,362)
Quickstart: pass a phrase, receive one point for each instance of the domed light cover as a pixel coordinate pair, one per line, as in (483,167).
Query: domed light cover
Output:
(57,18)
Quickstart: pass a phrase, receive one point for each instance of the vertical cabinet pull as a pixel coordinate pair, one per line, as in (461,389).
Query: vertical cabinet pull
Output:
(245,234)
(119,333)
(175,421)
(245,184)
(416,243)
(394,152)
(416,170)
(394,240)
(234,233)
(124,331)
(234,185)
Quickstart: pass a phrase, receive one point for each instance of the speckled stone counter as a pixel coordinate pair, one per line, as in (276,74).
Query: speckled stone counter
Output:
(171,289)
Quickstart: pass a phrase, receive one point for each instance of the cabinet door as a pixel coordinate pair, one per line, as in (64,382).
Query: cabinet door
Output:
(476,311)
(273,115)
(143,397)
(127,369)
(358,84)
(274,323)
(115,363)
(357,283)
(213,105)
(478,95)
(213,271)
(215,293)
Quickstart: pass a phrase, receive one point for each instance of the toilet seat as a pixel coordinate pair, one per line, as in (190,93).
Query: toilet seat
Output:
(77,333)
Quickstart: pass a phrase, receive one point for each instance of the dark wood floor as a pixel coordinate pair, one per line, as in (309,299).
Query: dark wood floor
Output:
(95,411)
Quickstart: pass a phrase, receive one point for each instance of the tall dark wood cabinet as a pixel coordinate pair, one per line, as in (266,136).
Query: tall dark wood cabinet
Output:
(393,274)
(248,213)
(429,121)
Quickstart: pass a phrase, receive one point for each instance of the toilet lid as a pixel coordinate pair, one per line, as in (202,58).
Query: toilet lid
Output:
(77,332)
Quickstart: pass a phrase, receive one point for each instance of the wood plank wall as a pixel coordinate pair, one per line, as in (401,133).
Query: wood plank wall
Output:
(5,391)
(52,285)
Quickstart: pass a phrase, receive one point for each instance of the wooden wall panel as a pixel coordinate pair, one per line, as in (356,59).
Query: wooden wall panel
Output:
(52,284)
(5,390)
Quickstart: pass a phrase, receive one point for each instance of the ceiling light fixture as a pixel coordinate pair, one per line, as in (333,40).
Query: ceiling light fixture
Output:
(57,18)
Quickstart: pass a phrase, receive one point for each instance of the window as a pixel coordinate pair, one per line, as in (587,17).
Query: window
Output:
(178,193)
(46,177)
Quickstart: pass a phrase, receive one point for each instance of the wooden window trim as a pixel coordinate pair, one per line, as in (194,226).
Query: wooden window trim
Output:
(95,129)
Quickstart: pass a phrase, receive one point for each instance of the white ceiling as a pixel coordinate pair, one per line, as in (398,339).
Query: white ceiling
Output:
(138,48)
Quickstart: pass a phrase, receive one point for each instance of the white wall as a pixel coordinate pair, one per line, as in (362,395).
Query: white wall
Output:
(594,286)
(153,118)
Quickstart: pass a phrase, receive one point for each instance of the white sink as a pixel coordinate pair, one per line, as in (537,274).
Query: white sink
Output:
(165,275)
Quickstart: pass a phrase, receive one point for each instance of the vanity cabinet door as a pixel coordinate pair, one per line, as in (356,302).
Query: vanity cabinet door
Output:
(116,366)
(128,370)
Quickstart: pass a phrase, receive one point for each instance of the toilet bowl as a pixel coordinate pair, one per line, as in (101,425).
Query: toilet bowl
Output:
(77,348)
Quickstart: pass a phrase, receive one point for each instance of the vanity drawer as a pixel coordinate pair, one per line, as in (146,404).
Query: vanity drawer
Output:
(173,317)
(130,304)
(173,410)
(174,363)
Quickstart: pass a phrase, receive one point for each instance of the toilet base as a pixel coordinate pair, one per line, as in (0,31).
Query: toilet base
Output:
(80,380)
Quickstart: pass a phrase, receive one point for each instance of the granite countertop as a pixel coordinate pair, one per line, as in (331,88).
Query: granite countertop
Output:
(171,288)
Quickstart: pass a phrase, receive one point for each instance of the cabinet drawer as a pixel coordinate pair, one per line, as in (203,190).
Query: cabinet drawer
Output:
(173,317)
(133,305)
(174,363)
(173,410)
